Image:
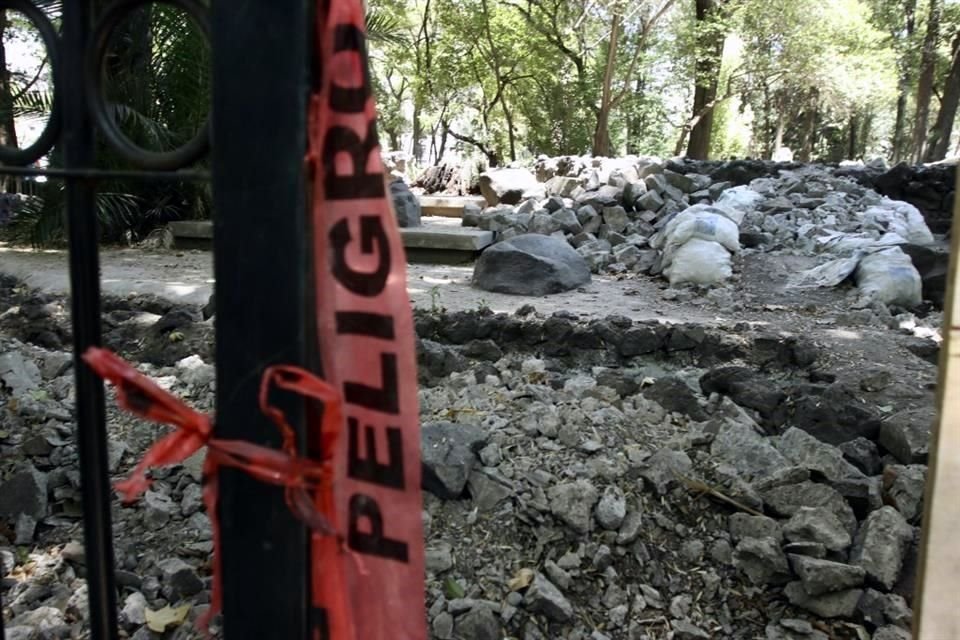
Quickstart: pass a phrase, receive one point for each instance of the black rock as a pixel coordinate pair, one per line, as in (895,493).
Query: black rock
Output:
(748,389)
(405,204)
(531,265)
(449,453)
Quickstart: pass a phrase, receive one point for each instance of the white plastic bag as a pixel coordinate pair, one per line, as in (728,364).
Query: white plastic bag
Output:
(705,224)
(888,276)
(698,261)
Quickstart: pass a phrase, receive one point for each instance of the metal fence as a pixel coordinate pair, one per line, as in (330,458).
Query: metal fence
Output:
(258,132)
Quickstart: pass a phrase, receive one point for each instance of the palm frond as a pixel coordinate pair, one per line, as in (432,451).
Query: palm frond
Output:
(384,28)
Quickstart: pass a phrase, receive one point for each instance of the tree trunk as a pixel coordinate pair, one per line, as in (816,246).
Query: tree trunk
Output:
(708,80)
(900,136)
(939,141)
(809,126)
(852,138)
(928,67)
(417,151)
(601,134)
(8,129)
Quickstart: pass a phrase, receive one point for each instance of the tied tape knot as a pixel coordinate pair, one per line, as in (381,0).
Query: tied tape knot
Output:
(299,476)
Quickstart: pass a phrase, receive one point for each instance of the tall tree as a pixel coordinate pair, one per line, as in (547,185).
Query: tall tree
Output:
(938,142)
(709,57)
(928,69)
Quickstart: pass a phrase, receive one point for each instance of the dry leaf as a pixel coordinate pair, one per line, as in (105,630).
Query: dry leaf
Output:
(160,620)
(521,581)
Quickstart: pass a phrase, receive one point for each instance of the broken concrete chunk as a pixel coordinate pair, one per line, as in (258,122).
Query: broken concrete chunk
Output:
(881,545)
(803,449)
(907,436)
(840,604)
(903,487)
(786,500)
(743,526)
(820,525)
(762,560)
(572,503)
(448,455)
(545,598)
(823,576)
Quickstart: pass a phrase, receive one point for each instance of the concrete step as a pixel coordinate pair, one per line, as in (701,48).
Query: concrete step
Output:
(440,240)
(448,206)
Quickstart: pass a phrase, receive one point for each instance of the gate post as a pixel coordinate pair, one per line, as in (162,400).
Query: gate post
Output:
(261,84)
(79,154)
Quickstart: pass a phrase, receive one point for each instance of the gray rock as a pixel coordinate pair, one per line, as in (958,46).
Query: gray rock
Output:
(572,503)
(743,525)
(557,575)
(803,449)
(7,562)
(488,489)
(793,629)
(650,201)
(159,509)
(509,186)
(192,500)
(680,181)
(134,611)
(531,265)
(762,561)
(817,524)
(903,487)
(24,529)
(439,557)
(739,445)
(862,494)
(823,576)
(881,545)
(25,492)
(442,626)
(786,500)
(673,394)
(890,632)
(471,215)
(21,633)
(906,435)
(543,597)
(811,549)
(405,204)
(630,528)
(863,454)
(568,221)
(616,218)
(663,468)
(747,388)
(840,604)
(477,624)
(612,508)
(56,364)
(627,255)
(897,611)
(685,630)
(180,577)
(448,455)
(48,621)
(18,373)
(544,224)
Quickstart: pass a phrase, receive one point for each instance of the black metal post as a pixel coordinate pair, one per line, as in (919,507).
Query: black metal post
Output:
(261,250)
(78,153)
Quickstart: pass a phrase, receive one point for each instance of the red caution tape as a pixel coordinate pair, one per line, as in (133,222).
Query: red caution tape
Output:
(366,341)
(299,476)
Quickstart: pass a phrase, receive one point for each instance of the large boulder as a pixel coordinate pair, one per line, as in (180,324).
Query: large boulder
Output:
(405,204)
(531,265)
(509,186)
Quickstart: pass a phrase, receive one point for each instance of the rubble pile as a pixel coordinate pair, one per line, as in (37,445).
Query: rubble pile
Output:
(622,216)
(583,478)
